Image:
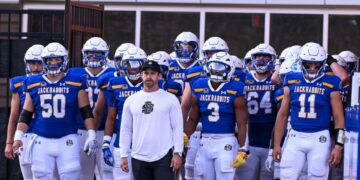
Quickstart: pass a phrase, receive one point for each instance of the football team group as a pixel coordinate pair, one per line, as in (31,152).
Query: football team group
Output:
(264,116)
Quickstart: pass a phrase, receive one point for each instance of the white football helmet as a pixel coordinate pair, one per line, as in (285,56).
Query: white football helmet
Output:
(55,50)
(95,45)
(288,66)
(186,46)
(132,61)
(293,53)
(341,61)
(119,53)
(247,60)
(239,64)
(33,54)
(263,64)
(220,68)
(212,46)
(351,61)
(162,58)
(281,58)
(312,55)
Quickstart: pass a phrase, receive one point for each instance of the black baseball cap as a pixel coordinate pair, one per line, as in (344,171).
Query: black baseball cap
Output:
(153,65)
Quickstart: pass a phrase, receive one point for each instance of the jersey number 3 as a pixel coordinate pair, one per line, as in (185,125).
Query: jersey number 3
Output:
(214,116)
(56,107)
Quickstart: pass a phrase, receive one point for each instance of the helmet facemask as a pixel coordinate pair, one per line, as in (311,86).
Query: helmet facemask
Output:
(28,68)
(312,69)
(262,63)
(132,68)
(218,71)
(186,51)
(94,59)
(55,68)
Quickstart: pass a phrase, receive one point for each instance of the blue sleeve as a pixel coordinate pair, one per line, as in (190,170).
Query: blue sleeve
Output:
(179,89)
(83,83)
(240,89)
(109,96)
(336,83)
(279,95)
(12,86)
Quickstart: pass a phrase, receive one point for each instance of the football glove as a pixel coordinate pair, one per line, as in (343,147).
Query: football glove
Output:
(186,140)
(240,159)
(107,155)
(91,145)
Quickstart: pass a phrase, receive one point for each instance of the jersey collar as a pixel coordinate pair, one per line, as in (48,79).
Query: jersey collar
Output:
(97,75)
(131,84)
(215,90)
(191,65)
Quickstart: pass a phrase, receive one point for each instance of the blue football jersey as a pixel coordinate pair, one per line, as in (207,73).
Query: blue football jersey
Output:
(262,109)
(55,104)
(92,92)
(279,96)
(310,109)
(239,75)
(119,89)
(193,74)
(16,86)
(177,71)
(171,87)
(217,113)
(103,84)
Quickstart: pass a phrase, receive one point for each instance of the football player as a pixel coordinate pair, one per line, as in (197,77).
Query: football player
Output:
(351,61)
(162,58)
(310,98)
(186,47)
(210,47)
(262,110)
(219,103)
(95,52)
(53,99)
(33,66)
(119,89)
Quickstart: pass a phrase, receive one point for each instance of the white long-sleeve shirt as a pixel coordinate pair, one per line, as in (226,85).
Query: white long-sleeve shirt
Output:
(151,124)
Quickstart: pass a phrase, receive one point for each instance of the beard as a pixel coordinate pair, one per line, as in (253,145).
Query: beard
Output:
(149,83)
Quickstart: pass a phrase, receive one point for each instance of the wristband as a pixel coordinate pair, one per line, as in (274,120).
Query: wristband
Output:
(340,136)
(18,135)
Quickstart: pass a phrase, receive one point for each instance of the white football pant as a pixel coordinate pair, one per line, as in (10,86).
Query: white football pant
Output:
(62,151)
(255,165)
(102,170)
(301,147)
(215,156)
(194,143)
(118,173)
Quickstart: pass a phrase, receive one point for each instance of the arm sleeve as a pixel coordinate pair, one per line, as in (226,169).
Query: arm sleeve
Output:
(241,89)
(12,86)
(83,83)
(177,126)
(126,130)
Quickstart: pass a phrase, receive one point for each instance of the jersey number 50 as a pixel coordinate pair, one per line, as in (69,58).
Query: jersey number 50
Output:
(56,108)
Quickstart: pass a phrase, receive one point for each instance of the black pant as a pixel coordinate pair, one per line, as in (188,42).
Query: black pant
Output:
(157,170)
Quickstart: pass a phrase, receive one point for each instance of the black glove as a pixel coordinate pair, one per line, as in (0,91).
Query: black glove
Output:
(330,60)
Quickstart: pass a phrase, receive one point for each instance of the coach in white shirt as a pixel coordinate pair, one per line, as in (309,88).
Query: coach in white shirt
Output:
(151,130)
